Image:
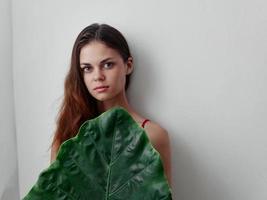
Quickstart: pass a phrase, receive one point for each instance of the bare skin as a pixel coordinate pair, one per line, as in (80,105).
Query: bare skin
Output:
(112,73)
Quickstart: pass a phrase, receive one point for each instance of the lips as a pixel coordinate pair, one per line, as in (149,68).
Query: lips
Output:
(101,87)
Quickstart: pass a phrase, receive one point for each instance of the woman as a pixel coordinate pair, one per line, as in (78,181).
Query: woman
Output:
(99,75)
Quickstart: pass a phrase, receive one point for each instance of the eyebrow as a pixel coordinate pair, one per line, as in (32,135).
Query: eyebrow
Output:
(106,59)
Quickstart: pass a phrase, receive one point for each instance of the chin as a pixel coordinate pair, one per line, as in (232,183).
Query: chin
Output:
(102,97)
(106,96)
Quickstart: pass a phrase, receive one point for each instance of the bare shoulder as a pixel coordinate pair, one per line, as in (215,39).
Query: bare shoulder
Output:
(158,135)
(159,138)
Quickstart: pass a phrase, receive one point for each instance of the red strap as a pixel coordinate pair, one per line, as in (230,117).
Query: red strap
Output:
(144,122)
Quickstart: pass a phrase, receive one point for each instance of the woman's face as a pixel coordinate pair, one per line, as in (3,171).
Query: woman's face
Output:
(103,67)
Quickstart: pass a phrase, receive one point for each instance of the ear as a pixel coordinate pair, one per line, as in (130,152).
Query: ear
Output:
(129,65)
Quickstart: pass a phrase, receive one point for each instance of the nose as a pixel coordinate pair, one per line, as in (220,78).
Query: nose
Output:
(98,75)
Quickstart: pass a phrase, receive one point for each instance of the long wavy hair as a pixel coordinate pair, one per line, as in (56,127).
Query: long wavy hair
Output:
(78,105)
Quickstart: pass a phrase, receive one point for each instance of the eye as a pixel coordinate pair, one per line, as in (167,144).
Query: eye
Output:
(108,65)
(87,69)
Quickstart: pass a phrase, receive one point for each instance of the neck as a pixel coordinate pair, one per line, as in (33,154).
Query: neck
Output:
(119,100)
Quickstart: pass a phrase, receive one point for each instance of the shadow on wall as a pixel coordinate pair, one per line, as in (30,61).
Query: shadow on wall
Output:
(142,86)
(192,180)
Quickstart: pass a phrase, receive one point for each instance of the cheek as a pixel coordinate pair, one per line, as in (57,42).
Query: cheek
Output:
(120,81)
(86,80)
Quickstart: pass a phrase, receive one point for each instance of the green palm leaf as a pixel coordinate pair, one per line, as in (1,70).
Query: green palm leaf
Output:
(111,158)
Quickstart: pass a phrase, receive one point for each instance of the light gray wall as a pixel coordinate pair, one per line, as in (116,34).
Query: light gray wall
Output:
(200,72)
(9,189)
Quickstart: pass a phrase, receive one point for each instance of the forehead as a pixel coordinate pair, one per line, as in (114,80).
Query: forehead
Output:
(96,51)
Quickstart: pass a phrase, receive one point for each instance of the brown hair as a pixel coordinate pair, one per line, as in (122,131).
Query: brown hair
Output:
(78,105)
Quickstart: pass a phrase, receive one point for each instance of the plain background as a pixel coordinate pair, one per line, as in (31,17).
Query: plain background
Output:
(200,72)
(9,188)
